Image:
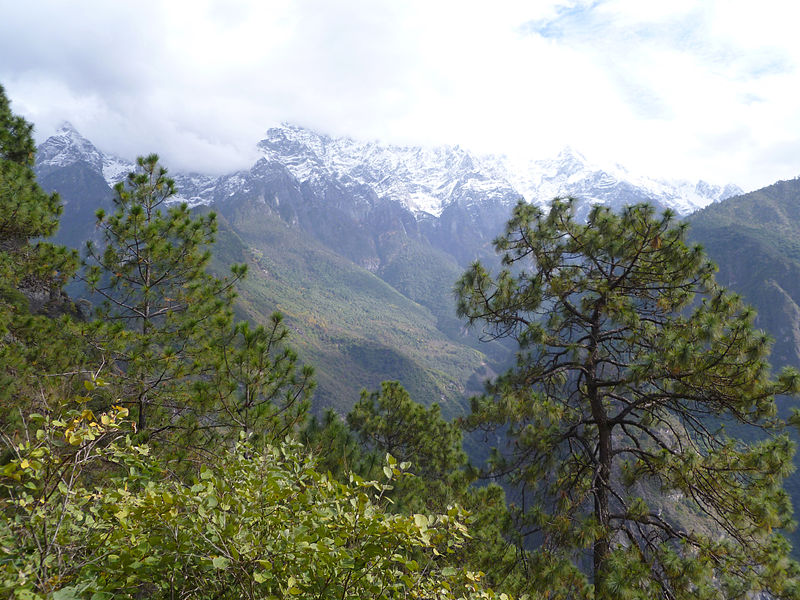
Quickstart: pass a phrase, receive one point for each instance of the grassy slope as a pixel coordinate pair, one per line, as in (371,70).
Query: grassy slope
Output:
(353,327)
(755,240)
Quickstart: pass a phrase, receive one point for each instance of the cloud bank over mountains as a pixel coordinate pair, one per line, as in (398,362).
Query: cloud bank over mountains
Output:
(679,89)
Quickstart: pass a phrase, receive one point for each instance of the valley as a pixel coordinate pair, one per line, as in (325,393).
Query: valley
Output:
(360,245)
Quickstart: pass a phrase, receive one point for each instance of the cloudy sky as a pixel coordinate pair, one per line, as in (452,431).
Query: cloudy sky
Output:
(676,89)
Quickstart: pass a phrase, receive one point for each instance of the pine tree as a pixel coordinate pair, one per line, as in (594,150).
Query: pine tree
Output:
(392,422)
(633,369)
(166,313)
(32,274)
(389,421)
(257,385)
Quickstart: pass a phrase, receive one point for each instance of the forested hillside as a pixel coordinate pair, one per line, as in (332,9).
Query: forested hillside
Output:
(157,441)
(155,448)
(307,260)
(755,240)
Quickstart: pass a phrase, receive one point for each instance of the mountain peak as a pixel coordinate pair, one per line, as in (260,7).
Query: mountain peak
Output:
(423,179)
(568,153)
(67,146)
(67,128)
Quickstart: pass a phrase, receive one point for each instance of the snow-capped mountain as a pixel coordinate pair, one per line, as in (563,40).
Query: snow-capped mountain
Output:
(426,180)
(423,180)
(570,173)
(67,147)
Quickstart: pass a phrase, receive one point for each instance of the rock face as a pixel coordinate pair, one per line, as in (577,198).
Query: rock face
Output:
(354,196)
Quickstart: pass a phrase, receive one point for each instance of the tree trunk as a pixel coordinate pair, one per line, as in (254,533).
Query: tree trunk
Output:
(142,421)
(602,546)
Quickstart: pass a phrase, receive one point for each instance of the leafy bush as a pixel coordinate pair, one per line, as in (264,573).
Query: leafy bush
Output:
(257,524)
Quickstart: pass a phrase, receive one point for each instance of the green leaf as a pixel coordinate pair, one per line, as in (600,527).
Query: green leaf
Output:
(67,593)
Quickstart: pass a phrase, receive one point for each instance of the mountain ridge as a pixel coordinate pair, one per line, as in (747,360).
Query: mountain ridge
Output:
(424,180)
(363,202)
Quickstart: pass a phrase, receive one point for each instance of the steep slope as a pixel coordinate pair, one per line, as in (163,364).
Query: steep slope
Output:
(360,243)
(461,200)
(755,241)
(427,180)
(69,164)
(353,327)
(356,329)
(571,174)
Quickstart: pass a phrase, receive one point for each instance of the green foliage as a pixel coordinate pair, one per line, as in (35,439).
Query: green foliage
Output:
(754,239)
(630,358)
(391,421)
(257,524)
(26,212)
(388,421)
(162,314)
(32,274)
(338,449)
(48,514)
(256,384)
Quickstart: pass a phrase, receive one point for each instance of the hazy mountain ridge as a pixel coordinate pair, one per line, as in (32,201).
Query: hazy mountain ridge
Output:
(426,180)
(358,197)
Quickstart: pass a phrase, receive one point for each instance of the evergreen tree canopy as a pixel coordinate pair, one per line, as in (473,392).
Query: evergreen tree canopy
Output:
(389,421)
(392,422)
(168,312)
(632,362)
(32,272)
(26,211)
(16,135)
(256,384)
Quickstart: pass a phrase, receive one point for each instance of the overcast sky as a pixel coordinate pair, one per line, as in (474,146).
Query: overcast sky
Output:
(667,88)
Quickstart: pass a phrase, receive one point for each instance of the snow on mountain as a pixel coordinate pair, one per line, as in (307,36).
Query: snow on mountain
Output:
(116,169)
(67,147)
(194,188)
(424,180)
(571,174)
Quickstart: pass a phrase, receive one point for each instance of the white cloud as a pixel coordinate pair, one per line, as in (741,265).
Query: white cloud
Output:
(679,88)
